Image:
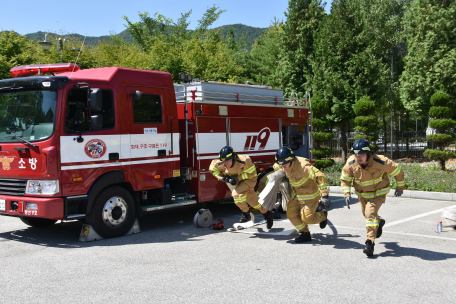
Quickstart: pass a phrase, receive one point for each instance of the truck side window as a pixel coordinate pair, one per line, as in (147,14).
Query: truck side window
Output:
(76,111)
(148,109)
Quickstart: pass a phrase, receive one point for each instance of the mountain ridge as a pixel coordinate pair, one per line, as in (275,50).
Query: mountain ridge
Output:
(240,30)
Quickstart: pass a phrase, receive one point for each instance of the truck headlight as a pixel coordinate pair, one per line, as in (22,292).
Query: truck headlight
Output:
(42,187)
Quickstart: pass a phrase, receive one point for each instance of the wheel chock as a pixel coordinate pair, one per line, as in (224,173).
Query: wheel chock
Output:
(89,234)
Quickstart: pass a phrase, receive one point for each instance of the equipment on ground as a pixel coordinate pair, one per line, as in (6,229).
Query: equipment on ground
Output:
(203,218)
(218,225)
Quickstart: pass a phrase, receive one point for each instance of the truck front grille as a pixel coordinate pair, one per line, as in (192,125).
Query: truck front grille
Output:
(12,186)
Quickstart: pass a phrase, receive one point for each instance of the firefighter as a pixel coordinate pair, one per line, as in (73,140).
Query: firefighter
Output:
(239,171)
(369,174)
(309,185)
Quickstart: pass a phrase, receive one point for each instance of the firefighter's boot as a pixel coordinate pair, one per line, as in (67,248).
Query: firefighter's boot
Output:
(325,222)
(379,230)
(269,217)
(245,217)
(276,214)
(303,237)
(369,249)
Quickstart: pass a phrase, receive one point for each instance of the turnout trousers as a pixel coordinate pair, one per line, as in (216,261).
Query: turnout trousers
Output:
(370,207)
(245,196)
(303,213)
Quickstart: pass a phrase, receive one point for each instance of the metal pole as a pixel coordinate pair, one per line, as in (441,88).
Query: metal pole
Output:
(392,65)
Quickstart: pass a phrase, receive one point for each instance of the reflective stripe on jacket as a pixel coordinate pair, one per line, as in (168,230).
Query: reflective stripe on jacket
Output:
(373,180)
(306,180)
(244,169)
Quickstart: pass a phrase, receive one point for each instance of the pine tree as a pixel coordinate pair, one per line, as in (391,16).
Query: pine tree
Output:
(297,49)
(430,64)
(441,110)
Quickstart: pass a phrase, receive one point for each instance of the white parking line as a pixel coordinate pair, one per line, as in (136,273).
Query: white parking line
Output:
(416,217)
(408,234)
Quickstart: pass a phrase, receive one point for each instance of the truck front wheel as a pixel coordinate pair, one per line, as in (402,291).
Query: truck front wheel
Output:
(113,212)
(37,222)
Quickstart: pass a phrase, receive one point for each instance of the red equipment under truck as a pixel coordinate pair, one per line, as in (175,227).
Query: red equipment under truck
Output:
(108,144)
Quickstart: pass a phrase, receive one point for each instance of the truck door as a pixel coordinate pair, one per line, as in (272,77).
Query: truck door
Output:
(150,138)
(99,150)
(211,138)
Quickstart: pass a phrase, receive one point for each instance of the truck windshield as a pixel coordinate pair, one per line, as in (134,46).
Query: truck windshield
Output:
(29,114)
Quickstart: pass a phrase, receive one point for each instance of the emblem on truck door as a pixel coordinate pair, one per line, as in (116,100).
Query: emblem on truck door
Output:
(6,162)
(95,148)
(261,138)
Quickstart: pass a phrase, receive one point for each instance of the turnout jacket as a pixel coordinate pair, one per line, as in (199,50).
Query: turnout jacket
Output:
(244,169)
(307,181)
(371,181)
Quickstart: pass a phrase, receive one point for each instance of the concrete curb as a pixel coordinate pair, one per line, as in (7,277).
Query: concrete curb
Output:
(441,196)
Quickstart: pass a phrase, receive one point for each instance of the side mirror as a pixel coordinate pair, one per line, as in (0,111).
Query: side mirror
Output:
(136,95)
(96,97)
(97,122)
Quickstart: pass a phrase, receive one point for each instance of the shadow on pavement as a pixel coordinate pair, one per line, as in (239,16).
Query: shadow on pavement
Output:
(169,225)
(394,250)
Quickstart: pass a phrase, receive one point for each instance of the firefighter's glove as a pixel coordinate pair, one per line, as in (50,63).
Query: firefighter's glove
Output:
(233,181)
(325,200)
(398,193)
(347,201)
(225,179)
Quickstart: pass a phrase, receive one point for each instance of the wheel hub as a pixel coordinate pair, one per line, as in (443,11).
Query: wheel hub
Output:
(114,212)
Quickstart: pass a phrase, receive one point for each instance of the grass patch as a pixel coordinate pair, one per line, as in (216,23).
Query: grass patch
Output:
(417,177)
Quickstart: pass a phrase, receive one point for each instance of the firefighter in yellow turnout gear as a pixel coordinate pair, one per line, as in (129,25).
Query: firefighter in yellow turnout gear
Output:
(309,185)
(369,174)
(240,172)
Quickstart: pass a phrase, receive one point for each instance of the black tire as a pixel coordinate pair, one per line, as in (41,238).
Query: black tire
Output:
(37,222)
(113,212)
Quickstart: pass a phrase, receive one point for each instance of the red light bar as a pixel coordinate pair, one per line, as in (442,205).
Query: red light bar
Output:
(29,70)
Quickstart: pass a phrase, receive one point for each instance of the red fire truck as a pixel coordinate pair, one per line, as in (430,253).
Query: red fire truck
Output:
(108,144)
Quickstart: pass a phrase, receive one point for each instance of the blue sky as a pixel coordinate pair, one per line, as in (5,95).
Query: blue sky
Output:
(97,18)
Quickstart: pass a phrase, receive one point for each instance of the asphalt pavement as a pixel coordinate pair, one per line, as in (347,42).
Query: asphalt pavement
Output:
(173,262)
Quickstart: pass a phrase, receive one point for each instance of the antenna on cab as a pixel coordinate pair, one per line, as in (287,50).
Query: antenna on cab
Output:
(78,55)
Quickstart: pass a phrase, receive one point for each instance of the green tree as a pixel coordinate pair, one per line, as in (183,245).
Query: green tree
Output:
(366,120)
(297,49)
(262,61)
(430,64)
(14,50)
(322,132)
(169,46)
(442,109)
(345,66)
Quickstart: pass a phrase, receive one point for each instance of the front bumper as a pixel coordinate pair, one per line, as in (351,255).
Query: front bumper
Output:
(48,208)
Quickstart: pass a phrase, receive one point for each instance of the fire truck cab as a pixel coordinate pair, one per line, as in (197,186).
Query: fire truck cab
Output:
(108,144)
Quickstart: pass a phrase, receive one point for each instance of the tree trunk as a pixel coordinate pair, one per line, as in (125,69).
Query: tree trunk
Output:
(343,140)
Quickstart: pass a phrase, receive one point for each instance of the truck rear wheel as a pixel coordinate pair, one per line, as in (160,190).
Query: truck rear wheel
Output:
(113,212)
(37,222)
